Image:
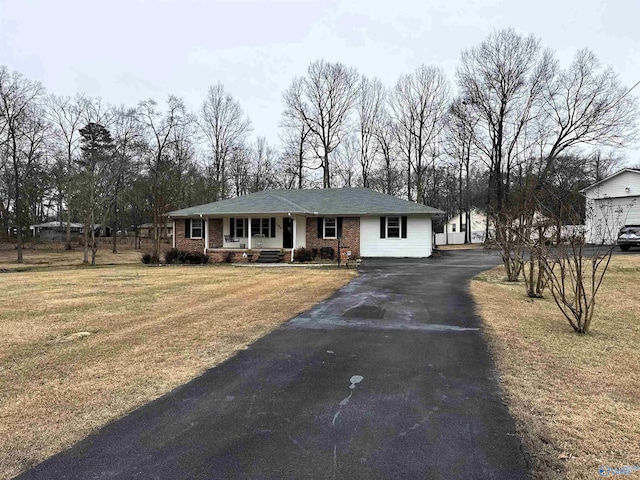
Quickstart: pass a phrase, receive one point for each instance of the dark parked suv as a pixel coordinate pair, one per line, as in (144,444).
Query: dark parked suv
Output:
(628,237)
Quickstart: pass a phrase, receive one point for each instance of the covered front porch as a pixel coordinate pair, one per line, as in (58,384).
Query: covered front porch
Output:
(246,237)
(259,232)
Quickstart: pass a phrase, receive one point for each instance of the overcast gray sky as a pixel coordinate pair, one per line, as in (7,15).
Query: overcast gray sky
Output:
(128,50)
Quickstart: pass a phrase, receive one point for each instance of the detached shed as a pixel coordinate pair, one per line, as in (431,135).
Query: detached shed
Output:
(611,204)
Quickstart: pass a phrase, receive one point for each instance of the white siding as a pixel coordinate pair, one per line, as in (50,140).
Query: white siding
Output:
(616,186)
(478,221)
(417,243)
(605,217)
(612,204)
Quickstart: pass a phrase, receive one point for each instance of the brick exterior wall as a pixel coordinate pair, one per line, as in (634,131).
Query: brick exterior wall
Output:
(215,233)
(187,244)
(234,256)
(197,245)
(350,236)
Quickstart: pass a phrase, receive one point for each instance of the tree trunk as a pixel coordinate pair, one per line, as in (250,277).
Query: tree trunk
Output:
(94,247)
(67,245)
(18,219)
(18,204)
(460,204)
(85,241)
(114,248)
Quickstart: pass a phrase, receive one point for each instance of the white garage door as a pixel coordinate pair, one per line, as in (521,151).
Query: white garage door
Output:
(608,215)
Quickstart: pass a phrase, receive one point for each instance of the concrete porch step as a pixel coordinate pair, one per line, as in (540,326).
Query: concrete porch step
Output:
(269,256)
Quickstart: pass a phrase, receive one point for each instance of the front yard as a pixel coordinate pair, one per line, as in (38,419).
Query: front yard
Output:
(576,399)
(80,347)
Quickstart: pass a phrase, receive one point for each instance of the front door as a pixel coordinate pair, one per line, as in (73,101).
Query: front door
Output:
(287,232)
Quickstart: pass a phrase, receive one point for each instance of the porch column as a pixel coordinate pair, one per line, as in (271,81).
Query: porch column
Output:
(249,234)
(206,235)
(294,237)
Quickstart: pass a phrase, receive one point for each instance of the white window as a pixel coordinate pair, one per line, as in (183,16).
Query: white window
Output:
(453,227)
(196,228)
(329,227)
(239,230)
(393,227)
(255,226)
(261,226)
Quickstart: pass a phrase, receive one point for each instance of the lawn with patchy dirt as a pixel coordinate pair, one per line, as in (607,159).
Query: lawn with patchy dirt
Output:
(80,347)
(44,255)
(575,398)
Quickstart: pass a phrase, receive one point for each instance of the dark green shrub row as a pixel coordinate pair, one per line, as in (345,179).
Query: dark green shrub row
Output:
(302,255)
(149,258)
(181,256)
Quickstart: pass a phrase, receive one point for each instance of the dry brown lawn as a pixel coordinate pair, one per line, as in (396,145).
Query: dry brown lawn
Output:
(576,398)
(46,255)
(469,246)
(80,347)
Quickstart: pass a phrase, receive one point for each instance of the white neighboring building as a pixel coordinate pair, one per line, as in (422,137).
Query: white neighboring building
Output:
(454,233)
(611,204)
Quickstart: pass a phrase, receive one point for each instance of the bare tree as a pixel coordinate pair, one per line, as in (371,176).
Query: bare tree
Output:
(159,131)
(503,80)
(225,127)
(323,101)
(419,102)
(370,107)
(126,150)
(575,274)
(297,139)
(18,97)
(293,160)
(346,162)
(36,134)
(262,166)
(66,115)
(586,105)
(388,177)
(239,160)
(458,138)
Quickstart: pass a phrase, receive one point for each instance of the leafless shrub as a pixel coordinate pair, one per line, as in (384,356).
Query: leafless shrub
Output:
(575,272)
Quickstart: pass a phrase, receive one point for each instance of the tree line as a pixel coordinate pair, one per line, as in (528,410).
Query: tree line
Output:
(513,121)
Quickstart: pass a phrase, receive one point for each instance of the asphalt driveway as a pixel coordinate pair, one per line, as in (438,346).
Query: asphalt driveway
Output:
(389,378)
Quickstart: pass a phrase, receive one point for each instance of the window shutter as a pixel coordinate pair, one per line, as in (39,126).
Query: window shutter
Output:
(232,227)
(404,226)
(187,228)
(320,225)
(273,227)
(339,227)
(247,233)
(383,227)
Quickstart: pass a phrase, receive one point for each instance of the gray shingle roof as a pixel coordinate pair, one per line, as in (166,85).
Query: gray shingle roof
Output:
(328,201)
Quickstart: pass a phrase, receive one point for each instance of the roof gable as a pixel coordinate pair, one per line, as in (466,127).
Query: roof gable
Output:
(322,202)
(611,177)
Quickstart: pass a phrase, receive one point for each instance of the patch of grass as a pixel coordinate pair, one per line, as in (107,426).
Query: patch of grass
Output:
(576,399)
(42,258)
(80,347)
(468,246)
